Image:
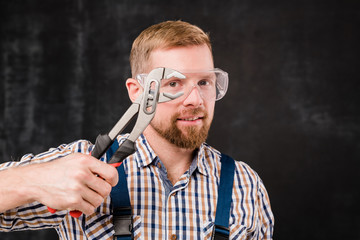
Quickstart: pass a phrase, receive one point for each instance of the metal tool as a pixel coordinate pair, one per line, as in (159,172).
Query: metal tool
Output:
(145,107)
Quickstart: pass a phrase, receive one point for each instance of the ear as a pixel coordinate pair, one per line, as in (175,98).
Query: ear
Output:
(134,88)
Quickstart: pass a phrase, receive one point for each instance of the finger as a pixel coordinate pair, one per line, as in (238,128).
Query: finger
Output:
(84,207)
(75,203)
(99,185)
(106,172)
(92,197)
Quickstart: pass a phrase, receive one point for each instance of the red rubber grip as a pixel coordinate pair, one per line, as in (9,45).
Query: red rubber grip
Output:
(115,164)
(75,213)
(51,210)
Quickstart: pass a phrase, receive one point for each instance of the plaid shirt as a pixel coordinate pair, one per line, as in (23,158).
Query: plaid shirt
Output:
(160,210)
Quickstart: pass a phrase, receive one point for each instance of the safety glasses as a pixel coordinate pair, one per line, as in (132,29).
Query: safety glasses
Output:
(211,84)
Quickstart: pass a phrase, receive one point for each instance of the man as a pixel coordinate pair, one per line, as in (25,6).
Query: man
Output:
(172,177)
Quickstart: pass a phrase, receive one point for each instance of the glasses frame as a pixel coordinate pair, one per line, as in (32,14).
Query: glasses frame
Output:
(221,84)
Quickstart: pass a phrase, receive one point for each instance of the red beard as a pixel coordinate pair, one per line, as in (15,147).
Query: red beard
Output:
(193,136)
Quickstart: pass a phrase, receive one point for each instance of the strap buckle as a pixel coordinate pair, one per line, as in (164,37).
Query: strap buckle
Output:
(220,233)
(123,225)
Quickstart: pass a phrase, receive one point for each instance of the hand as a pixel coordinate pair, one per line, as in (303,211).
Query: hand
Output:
(75,182)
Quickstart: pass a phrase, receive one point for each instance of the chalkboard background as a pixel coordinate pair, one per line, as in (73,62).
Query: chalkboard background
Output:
(292,110)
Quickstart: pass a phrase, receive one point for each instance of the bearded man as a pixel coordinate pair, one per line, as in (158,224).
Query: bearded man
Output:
(173,176)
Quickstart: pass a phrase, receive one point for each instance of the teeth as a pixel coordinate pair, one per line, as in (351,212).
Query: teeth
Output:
(191,119)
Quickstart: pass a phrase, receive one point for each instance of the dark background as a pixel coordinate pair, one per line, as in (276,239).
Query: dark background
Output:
(291,111)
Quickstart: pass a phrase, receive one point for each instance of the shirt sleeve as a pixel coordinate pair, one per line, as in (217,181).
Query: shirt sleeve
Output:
(35,215)
(251,216)
(265,214)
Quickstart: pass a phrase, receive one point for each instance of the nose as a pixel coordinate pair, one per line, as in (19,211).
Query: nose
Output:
(194,98)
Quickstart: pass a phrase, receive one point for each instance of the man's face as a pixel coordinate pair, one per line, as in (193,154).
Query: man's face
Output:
(184,122)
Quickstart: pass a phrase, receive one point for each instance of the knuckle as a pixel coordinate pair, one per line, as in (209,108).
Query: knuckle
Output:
(114,178)
(90,210)
(75,188)
(100,200)
(104,189)
(107,190)
(78,156)
(73,201)
(81,175)
(82,159)
(97,201)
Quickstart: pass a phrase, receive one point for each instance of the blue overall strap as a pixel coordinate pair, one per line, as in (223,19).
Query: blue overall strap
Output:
(121,205)
(224,198)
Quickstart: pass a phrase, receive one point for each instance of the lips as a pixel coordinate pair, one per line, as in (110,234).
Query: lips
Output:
(196,115)
(190,118)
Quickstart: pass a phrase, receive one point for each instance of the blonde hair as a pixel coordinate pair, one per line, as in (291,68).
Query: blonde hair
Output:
(164,35)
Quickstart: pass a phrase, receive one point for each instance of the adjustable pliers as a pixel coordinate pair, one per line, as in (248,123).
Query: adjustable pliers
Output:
(144,106)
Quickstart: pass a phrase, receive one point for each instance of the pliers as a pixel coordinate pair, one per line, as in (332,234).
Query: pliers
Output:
(145,107)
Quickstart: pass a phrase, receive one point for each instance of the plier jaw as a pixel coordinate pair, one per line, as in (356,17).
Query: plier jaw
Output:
(144,107)
(151,95)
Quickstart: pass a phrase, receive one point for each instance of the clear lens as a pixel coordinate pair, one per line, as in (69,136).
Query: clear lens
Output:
(211,84)
(222,81)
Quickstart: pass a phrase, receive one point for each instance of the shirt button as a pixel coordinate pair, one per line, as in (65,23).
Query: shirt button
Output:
(159,165)
(173,237)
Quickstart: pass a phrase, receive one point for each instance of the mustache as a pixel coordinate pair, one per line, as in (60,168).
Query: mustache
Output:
(194,111)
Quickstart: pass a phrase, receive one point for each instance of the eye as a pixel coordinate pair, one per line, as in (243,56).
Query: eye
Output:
(203,82)
(173,84)
(206,82)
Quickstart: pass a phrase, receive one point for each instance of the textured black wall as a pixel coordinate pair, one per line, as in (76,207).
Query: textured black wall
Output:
(291,111)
